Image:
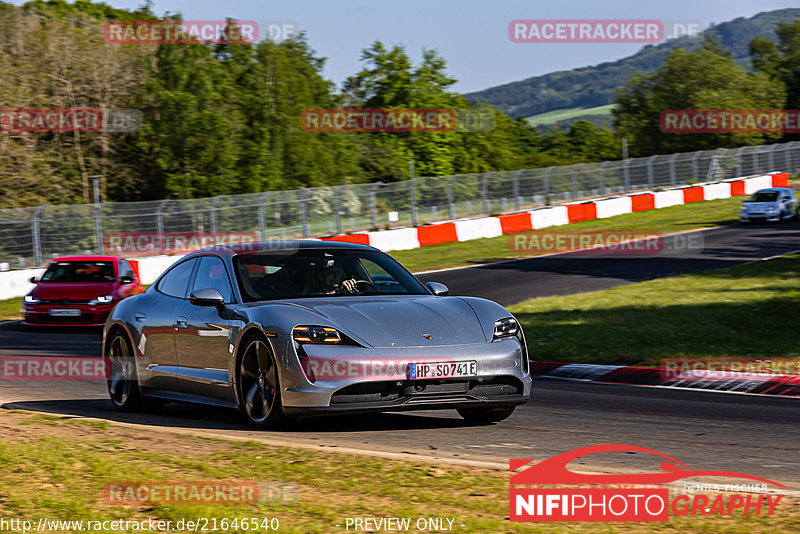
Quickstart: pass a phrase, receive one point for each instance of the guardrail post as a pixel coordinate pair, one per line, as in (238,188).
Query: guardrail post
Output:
(450,202)
(737,163)
(304,212)
(262,216)
(485,192)
(515,188)
(788,158)
(37,244)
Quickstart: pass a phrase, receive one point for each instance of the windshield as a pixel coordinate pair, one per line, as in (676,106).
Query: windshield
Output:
(764,196)
(79,271)
(322,273)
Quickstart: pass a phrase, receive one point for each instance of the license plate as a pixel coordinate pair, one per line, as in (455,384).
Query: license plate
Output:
(65,312)
(420,371)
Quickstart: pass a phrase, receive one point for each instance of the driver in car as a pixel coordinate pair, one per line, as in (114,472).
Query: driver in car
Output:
(331,281)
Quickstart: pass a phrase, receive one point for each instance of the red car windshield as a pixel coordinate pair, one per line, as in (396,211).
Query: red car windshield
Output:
(79,271)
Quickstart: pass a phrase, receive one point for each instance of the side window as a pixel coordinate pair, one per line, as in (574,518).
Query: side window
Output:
(212,274)
(125,269)
(175,281)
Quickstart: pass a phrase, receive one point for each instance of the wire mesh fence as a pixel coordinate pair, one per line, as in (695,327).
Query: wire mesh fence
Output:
(32,236)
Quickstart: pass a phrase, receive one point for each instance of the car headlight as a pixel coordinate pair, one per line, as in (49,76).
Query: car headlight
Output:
(743,208)
(505,328)
(102,299)
(316,334)
(772,209)
(30,299)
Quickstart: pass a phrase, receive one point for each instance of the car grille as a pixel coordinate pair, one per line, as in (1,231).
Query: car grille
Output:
(64,302)
(380,392)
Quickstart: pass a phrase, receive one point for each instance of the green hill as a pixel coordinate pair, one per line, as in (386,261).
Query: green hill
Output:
(595,86)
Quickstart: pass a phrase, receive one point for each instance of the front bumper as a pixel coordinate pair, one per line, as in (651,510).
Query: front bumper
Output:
(502,380)
(39,315)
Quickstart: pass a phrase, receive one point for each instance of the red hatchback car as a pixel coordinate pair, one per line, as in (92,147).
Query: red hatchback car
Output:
(79,290)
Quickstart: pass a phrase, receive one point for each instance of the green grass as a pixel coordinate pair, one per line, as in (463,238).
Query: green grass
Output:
(58,470)
(9,309)
(551,117)
(747,311)
(666,220)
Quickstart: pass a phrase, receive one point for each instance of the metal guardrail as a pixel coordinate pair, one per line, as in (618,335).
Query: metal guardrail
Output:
(31,236)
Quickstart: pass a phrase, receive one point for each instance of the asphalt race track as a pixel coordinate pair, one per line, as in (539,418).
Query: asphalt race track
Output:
(513,281)
(751,434)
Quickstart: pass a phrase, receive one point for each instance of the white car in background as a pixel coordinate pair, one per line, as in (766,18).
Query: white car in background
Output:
(772,204)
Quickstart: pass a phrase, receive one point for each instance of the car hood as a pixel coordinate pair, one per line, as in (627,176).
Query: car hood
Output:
(72,290)
(760,204)
(400,321)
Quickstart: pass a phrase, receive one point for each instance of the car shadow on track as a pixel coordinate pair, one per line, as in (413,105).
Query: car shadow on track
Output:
(177,415)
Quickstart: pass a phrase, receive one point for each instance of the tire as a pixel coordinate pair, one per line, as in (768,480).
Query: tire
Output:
(123,384)
(258,387)
(485,416)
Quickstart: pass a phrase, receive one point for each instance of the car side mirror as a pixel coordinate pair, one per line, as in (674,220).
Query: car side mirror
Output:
(440,290)
(207,297)
(126,280)
(34,279)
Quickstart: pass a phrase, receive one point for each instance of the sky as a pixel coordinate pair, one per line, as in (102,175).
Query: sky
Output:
(472,35)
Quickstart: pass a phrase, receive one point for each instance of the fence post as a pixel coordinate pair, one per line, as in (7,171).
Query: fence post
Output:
(515,188)
(755,161)
(650,181)
(788,158)
(160,225)
(485,192)
(737,170)
(546,180)
(413,185)
(574,179)
(37,244)
(373,208)
(626,175)
(262,216)
(337,202)
(450,202)
(771,157)
(602,172)
(98,226)
(304,212)
(695,170)
(212,215)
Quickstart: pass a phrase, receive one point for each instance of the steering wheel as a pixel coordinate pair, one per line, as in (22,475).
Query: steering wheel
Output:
(369,283)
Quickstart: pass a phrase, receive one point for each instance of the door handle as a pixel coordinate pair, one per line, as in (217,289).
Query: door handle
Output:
(141,317)
(182,322)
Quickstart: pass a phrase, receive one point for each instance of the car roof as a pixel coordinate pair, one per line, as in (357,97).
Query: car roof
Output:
(277,246)
(774,190)
(87,257)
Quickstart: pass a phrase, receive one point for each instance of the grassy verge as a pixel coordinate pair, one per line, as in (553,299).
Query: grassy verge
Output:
(58,468)
(666,220)
(9,309)
(747,311)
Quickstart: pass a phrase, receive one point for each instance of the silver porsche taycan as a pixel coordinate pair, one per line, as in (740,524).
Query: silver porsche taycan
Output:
(289,329)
